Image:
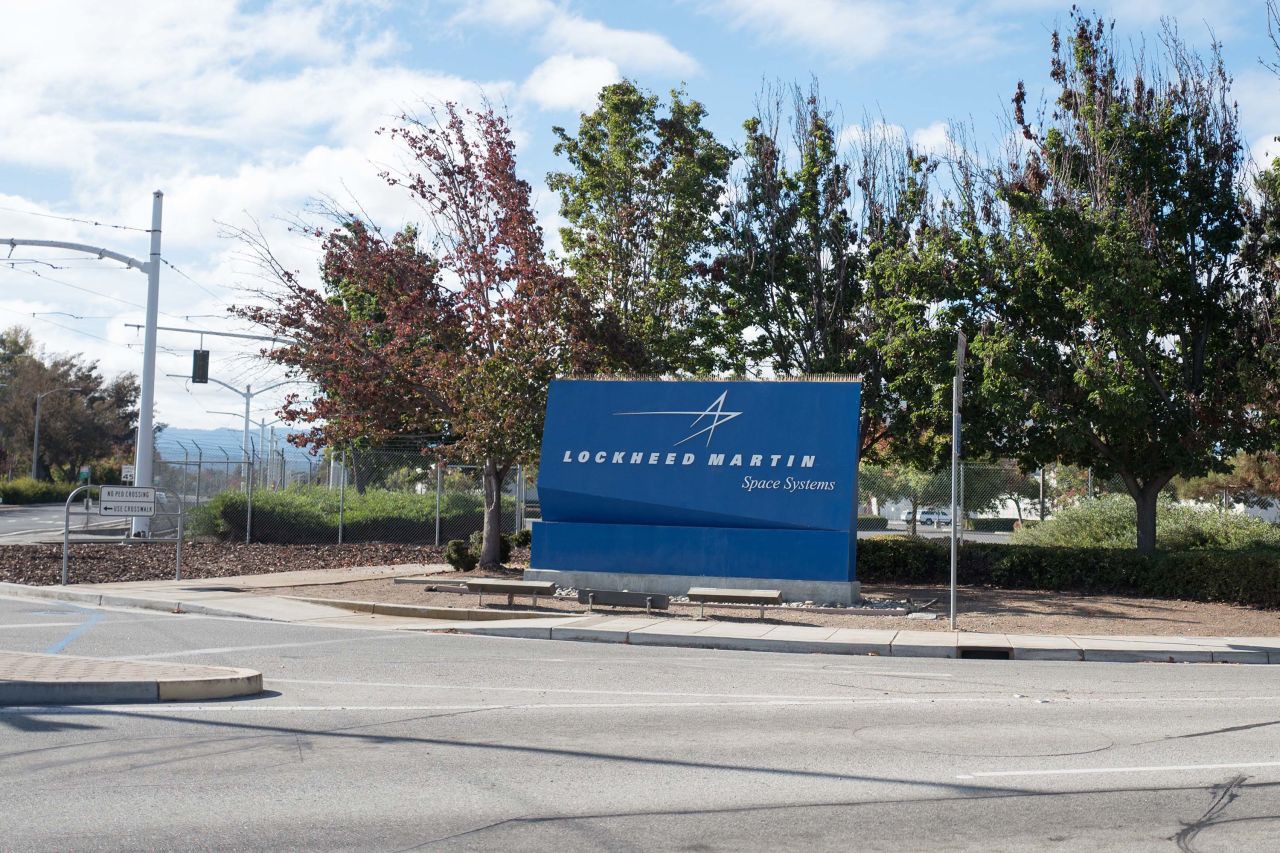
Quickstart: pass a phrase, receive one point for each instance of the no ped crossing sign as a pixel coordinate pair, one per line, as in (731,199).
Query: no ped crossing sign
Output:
(127,500)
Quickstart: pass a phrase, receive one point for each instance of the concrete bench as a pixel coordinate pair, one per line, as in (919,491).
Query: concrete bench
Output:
(510,588)
(613,598)
(703,594)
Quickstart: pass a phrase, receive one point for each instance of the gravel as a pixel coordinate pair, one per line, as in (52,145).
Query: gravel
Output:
(109,563)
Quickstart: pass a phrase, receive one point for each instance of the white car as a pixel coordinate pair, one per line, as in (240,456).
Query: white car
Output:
(933,516)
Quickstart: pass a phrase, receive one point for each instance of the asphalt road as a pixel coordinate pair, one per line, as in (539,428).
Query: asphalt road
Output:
(373,740)
(23,525)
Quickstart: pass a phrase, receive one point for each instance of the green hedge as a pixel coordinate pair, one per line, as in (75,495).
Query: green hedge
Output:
(1249,577)
(992,525)
(309,515)
(873,522)
(25,490)
(1111,522)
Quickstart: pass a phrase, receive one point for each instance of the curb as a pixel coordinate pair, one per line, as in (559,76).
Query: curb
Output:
(914,644)
(164,682)
(94,599)
(450,614)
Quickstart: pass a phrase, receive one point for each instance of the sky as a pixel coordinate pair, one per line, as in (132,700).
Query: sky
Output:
(246,113)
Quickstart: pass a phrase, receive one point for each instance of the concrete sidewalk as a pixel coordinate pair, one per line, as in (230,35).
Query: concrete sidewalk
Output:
(36,679)
(228,597)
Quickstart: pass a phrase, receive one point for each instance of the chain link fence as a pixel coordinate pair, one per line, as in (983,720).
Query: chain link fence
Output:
(992,498)
(287,496)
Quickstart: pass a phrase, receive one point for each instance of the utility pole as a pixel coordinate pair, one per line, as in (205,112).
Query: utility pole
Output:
(247,395)
(145,446)
(35,441)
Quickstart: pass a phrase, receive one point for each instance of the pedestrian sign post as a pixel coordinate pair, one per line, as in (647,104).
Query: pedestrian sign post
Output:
(127,500)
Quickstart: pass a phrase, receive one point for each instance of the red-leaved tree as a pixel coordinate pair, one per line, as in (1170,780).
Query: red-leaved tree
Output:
(461,341)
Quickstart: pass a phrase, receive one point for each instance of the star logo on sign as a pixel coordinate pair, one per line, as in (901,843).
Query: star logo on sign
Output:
(715,412)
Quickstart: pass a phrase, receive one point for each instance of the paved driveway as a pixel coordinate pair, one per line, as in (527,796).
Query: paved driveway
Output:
(21,525)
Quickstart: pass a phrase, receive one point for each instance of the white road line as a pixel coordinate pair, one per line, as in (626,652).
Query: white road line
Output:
(1085,771)
(585,692)
(87,612)
(175,710)
(217,650)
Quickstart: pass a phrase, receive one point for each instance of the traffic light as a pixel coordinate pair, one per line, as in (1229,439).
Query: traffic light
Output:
(200,366)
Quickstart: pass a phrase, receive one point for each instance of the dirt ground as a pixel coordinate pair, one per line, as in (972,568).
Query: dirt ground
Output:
(112,562)
(981,610)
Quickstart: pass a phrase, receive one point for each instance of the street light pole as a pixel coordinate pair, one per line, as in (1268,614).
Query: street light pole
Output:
(145,447)
(35,441)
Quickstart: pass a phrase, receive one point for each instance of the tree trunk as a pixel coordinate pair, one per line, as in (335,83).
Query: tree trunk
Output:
(1146,499)
(915,515)
(491,549)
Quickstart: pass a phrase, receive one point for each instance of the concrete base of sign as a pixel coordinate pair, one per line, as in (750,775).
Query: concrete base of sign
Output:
(819,592)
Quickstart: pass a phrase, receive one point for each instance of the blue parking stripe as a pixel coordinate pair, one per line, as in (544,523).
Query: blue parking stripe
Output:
(74,634)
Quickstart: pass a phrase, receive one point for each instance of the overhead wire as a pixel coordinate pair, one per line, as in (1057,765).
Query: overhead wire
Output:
(59,325)
(93,222)
(190,279)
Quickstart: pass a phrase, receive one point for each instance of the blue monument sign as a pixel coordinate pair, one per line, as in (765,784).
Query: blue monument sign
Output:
(659,486)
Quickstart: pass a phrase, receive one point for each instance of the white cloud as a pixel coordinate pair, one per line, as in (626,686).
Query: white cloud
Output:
(566,82)
(934,139)
(630,49)
(855,31)
(564,32)
(233,113)
(852,32)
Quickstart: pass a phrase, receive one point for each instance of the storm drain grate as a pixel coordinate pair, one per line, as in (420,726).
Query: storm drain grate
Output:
(985,654)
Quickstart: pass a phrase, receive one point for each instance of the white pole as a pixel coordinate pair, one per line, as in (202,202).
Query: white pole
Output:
(244,439)
(35,442)
(146,403)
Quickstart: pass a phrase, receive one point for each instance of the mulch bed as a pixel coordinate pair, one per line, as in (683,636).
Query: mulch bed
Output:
(110,563)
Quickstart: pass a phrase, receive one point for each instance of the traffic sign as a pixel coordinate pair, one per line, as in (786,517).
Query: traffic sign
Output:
(126,500)
(126,473)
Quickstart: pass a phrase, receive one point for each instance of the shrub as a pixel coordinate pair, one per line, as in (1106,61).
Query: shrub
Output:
(1111,522)
(25,490)
(522,538)
(309,514)
(873,522)
(504,546)
(459,555)
(1248,577)
(993,525)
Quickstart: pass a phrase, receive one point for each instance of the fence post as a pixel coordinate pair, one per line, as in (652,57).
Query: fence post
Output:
(248,513)
(1042,493)
(519,498)
(186,470)
(439,485)
(342,496)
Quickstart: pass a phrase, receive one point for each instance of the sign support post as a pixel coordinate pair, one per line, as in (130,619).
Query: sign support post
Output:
(957,392)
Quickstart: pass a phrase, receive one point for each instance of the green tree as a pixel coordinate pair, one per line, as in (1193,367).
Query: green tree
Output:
(825,267)
(1122,330)
(96,422)
(640,195)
